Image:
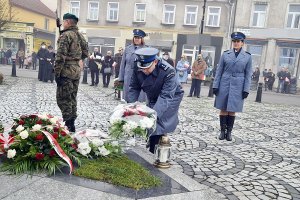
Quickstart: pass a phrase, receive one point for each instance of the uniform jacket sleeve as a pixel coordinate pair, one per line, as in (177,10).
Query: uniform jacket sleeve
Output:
(248,72)
(166,95)
(122,66)
(62,51)
(134,88)
(219,72)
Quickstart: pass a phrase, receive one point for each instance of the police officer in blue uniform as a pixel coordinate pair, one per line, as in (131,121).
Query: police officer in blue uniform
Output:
(127,63)
(157,79)
(232,83)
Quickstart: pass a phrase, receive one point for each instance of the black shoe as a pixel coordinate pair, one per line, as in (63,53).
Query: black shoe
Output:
(189,95)
(223,125)
(92,85)
(230,122)
(198,96)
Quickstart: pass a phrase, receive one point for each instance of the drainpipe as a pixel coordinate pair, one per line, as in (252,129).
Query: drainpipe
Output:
(231,4)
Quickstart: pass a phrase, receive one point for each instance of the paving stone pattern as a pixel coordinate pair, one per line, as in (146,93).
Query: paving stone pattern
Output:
(262,161)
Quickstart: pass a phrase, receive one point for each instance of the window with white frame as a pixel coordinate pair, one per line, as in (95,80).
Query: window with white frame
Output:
(293,18)
(256,53)
(169,14)
(93,10)
(287,58)
(259,15)
(112,11)
(190,17)
(140,12)
(213,16)
(75,8)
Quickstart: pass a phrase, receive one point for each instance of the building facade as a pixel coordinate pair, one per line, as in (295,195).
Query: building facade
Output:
(32,23)
(171,25)
(273,33)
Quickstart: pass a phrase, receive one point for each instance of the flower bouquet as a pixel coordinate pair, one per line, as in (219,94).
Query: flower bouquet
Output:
(37,143)
(130,120)
(94,143)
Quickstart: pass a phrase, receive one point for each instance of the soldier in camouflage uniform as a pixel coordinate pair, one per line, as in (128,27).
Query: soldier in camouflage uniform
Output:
(72,49)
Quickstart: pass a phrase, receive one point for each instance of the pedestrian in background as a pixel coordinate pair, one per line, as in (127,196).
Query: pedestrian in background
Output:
(166,57)
(255,78)
(128,59)
(158,79)
(21,56)
(50,59)
(95,64)
(271,77)
(281,78)
(232,83)
(118,60)
(198,68)
(41,55)
(8,55)
(34,59)
(182,69)
(72,49)
(107,68)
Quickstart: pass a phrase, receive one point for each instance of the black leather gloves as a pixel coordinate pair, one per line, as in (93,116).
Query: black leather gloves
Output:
(60,80)
(216,91)
(245,95)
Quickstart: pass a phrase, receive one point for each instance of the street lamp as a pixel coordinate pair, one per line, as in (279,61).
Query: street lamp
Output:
(201,26)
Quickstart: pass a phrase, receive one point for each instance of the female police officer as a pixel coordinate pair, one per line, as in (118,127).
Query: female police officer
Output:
(158,80)
(127,62)
(232,83)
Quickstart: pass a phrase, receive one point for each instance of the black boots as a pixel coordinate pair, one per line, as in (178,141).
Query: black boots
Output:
(223,125)
(70,123)
(226,124)
(230,122)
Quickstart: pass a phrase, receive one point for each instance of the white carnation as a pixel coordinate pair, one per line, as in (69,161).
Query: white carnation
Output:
(147,122)
(36,127)
(20,128)
(114,143)
(97,142)
(24,134)
(84,148)
(49,127)
(129,126)
(103,151)
(53,120)
(11,153)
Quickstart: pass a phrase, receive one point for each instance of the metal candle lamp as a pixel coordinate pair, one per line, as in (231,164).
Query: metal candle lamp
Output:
(163,152)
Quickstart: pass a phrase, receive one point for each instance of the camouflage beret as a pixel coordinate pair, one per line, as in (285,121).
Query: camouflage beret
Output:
(70,16)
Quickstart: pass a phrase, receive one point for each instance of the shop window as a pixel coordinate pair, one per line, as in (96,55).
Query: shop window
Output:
(256,53)
(287,58)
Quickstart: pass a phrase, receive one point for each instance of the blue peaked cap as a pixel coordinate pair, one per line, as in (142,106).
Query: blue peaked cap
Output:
(238,36)
(145,56)
(139,33)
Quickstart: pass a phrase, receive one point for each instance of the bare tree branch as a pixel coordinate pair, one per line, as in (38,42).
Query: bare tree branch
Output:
(7,14)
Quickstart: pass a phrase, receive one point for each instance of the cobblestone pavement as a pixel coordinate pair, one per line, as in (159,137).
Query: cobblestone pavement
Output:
(262,161)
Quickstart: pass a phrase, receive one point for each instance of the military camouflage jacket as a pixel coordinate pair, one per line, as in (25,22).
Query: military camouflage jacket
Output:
(72,47)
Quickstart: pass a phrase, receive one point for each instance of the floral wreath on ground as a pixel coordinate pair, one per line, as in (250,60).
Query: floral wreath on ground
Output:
(42,143)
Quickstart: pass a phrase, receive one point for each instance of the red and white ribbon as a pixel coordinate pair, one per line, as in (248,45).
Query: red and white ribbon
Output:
(59,150)
(5,142)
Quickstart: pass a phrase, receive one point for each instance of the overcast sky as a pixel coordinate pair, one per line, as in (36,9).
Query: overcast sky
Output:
(52,4)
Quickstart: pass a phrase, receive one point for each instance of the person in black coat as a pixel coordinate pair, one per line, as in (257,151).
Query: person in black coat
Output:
(106,69)
(118,60)
(169,60)
(41,55)
(34,59)
(8,55)
(48,72)
(95,64)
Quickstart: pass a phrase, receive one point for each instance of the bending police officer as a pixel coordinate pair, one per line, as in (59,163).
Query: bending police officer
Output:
(158,80)
(72,48)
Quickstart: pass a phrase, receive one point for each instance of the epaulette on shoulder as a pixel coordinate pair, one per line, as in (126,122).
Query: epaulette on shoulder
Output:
(248,53)
(170,75)
(164,66)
